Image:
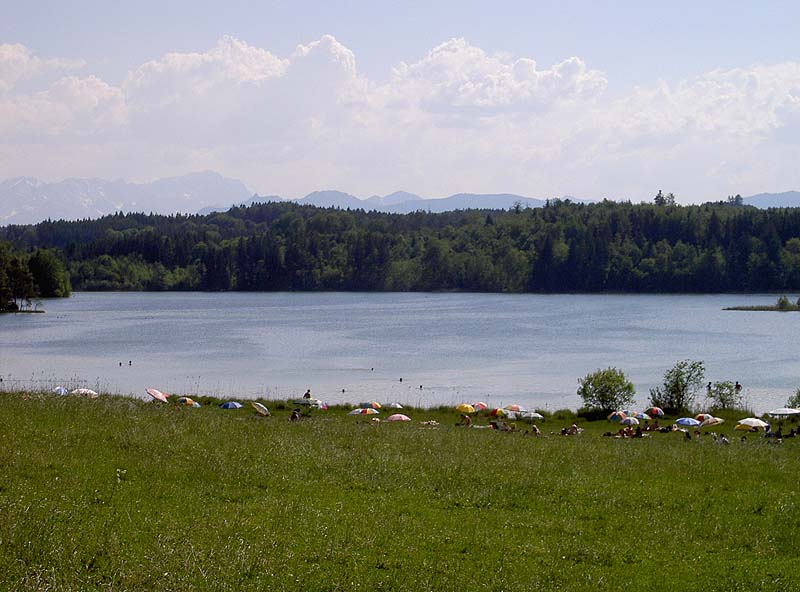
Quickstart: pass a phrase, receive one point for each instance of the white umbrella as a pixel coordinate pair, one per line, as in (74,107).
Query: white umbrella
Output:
(629,421)
(753,422)
(784,412)
(85,392)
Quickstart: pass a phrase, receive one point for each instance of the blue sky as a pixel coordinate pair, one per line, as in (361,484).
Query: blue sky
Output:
(591,99)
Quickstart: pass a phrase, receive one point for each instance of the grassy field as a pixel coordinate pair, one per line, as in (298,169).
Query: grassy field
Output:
(119,494)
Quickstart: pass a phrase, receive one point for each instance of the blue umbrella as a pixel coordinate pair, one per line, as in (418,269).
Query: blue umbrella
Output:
(688,422)
(60,391)
(231,405)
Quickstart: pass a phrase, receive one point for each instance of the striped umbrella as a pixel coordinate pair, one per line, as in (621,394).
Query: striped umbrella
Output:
(655,412)
(617,416)
(364,411)
(370,405)
(515,408)
(712,422)
(480,406)
(687,422)
(629,421)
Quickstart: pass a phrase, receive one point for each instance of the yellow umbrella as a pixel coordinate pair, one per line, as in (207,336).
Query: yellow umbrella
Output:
(465,408)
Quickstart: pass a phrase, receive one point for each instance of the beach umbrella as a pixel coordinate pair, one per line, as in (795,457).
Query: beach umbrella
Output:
(629,421)
(464,408)
(687,422)
(617,416)
(753,422)
(195,404)
(370,404)
(480,406)
(398,417)
(364,411)
(394,406)
(498,412)
(784,412)
(531,416)
(515,408)
(713,421)
(743,428)
(186,401)
(703,416)
(231,405)
(85,392)
(260,409)
(655,412)
(60,391)
(642,416)
(156,394)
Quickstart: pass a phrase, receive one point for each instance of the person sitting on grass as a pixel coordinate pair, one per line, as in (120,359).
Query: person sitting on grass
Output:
(466,421)
(295,416)
(535,430)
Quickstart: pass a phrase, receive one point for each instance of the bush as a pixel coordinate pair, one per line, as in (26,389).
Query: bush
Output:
(606,390)
(783,303)
(563,415)
(681,384)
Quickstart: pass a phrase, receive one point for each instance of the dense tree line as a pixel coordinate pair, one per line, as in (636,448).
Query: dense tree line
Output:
(26,276)
(564,246)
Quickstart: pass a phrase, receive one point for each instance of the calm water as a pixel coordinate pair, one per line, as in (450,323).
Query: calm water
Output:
(528,349)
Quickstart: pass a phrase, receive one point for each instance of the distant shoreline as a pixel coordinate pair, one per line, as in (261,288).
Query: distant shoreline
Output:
(768,308)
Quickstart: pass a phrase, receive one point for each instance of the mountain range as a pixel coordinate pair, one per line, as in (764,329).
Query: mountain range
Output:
(26,200)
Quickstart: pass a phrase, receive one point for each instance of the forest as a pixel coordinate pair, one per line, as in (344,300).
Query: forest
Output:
(562,247)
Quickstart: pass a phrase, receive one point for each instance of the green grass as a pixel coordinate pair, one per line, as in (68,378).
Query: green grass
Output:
(119,494)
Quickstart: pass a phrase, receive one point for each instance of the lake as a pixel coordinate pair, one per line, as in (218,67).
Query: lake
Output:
(349,347)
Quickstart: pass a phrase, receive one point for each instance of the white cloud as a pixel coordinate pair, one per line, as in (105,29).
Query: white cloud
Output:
(459,119)
(458,75)
(71,106)
(17,63)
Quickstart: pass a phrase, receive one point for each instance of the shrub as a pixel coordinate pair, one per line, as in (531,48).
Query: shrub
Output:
(606,390)
(681,384)
(783,303)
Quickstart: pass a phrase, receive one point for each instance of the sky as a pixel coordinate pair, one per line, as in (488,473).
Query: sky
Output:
(589,99)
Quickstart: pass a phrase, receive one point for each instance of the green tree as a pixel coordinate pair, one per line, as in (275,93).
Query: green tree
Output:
(664,200)
(49,274)
(681,385)
(794,400)
(606,390)
(723,395)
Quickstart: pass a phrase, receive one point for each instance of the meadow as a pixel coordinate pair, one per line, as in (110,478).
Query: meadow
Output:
(122,494)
